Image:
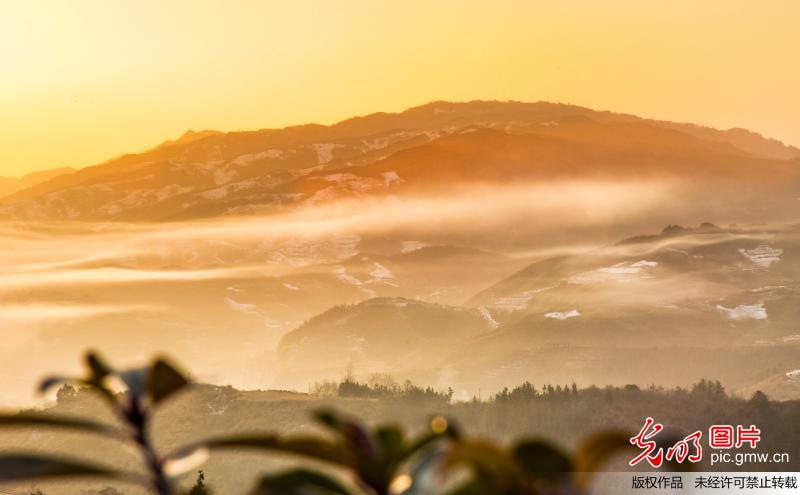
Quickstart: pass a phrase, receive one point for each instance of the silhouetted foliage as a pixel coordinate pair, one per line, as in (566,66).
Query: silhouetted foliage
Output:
(349,387)
(65,393)
(145,389)
(380,460)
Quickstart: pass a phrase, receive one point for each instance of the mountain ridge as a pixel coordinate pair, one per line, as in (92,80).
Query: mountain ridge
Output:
(10,185)
(210,173)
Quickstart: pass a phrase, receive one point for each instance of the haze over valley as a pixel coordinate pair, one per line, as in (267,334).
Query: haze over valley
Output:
(467,245)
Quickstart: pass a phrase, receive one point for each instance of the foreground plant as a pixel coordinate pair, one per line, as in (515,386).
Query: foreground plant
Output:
(143,390)
(374,457)
(364,461)
(532,467)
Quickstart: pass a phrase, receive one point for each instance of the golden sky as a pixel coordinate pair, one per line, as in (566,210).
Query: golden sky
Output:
(82,81)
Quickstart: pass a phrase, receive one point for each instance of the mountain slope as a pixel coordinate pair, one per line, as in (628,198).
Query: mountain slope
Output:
(436,145)
(10,185)
(721,302)
(376,335)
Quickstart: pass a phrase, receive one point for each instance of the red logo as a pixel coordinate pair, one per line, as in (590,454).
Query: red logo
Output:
(750,435)
(720,437)
(688,448)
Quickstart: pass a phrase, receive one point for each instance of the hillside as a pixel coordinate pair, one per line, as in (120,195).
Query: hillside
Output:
(563,417)
(10,185)
(439,145)
(376,335)
(728,297)
(475,243)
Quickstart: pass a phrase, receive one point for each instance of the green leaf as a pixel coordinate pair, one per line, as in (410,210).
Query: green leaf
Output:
(29,419)
(164,380)
(24,467)
(542,461)
(310,447)
(300,482)
(392,442)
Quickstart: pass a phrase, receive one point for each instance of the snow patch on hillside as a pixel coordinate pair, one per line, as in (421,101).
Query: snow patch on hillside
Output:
(763,256)
(621,272)
(139,198)
(411,246)
(340,177)
(242,307)
(345,184)
(516,302)
(487,315)
(341,274)
(562,315)
(214,194)
(745,312)
(793,375)
(224,175)
(380,273)
(391,177)
(254,157)
(304,251)
(768,288)
(382,142)
(325,151)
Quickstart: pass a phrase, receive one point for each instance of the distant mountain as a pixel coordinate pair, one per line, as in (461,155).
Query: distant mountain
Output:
(704,271)
(433,146)
(726,296)
(187,137)
(675,230)
(377,335)
(9,185)
(784,385)
(721,301)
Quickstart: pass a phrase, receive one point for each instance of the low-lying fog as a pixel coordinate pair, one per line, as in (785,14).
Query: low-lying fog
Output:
(218,294)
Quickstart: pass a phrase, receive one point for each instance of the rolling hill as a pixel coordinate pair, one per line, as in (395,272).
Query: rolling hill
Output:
(721,301)
(436,146)
(377,335)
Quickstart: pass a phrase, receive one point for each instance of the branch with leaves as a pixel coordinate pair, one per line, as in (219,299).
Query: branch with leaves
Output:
(144,390)
(378,461)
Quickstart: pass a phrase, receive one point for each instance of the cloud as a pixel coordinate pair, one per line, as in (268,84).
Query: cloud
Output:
(22,314)
(233,247)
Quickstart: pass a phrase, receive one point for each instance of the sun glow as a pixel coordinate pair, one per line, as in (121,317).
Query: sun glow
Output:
(84,81)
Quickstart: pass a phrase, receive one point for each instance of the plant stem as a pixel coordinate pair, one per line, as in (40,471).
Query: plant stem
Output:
(138,418)
(159,478)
